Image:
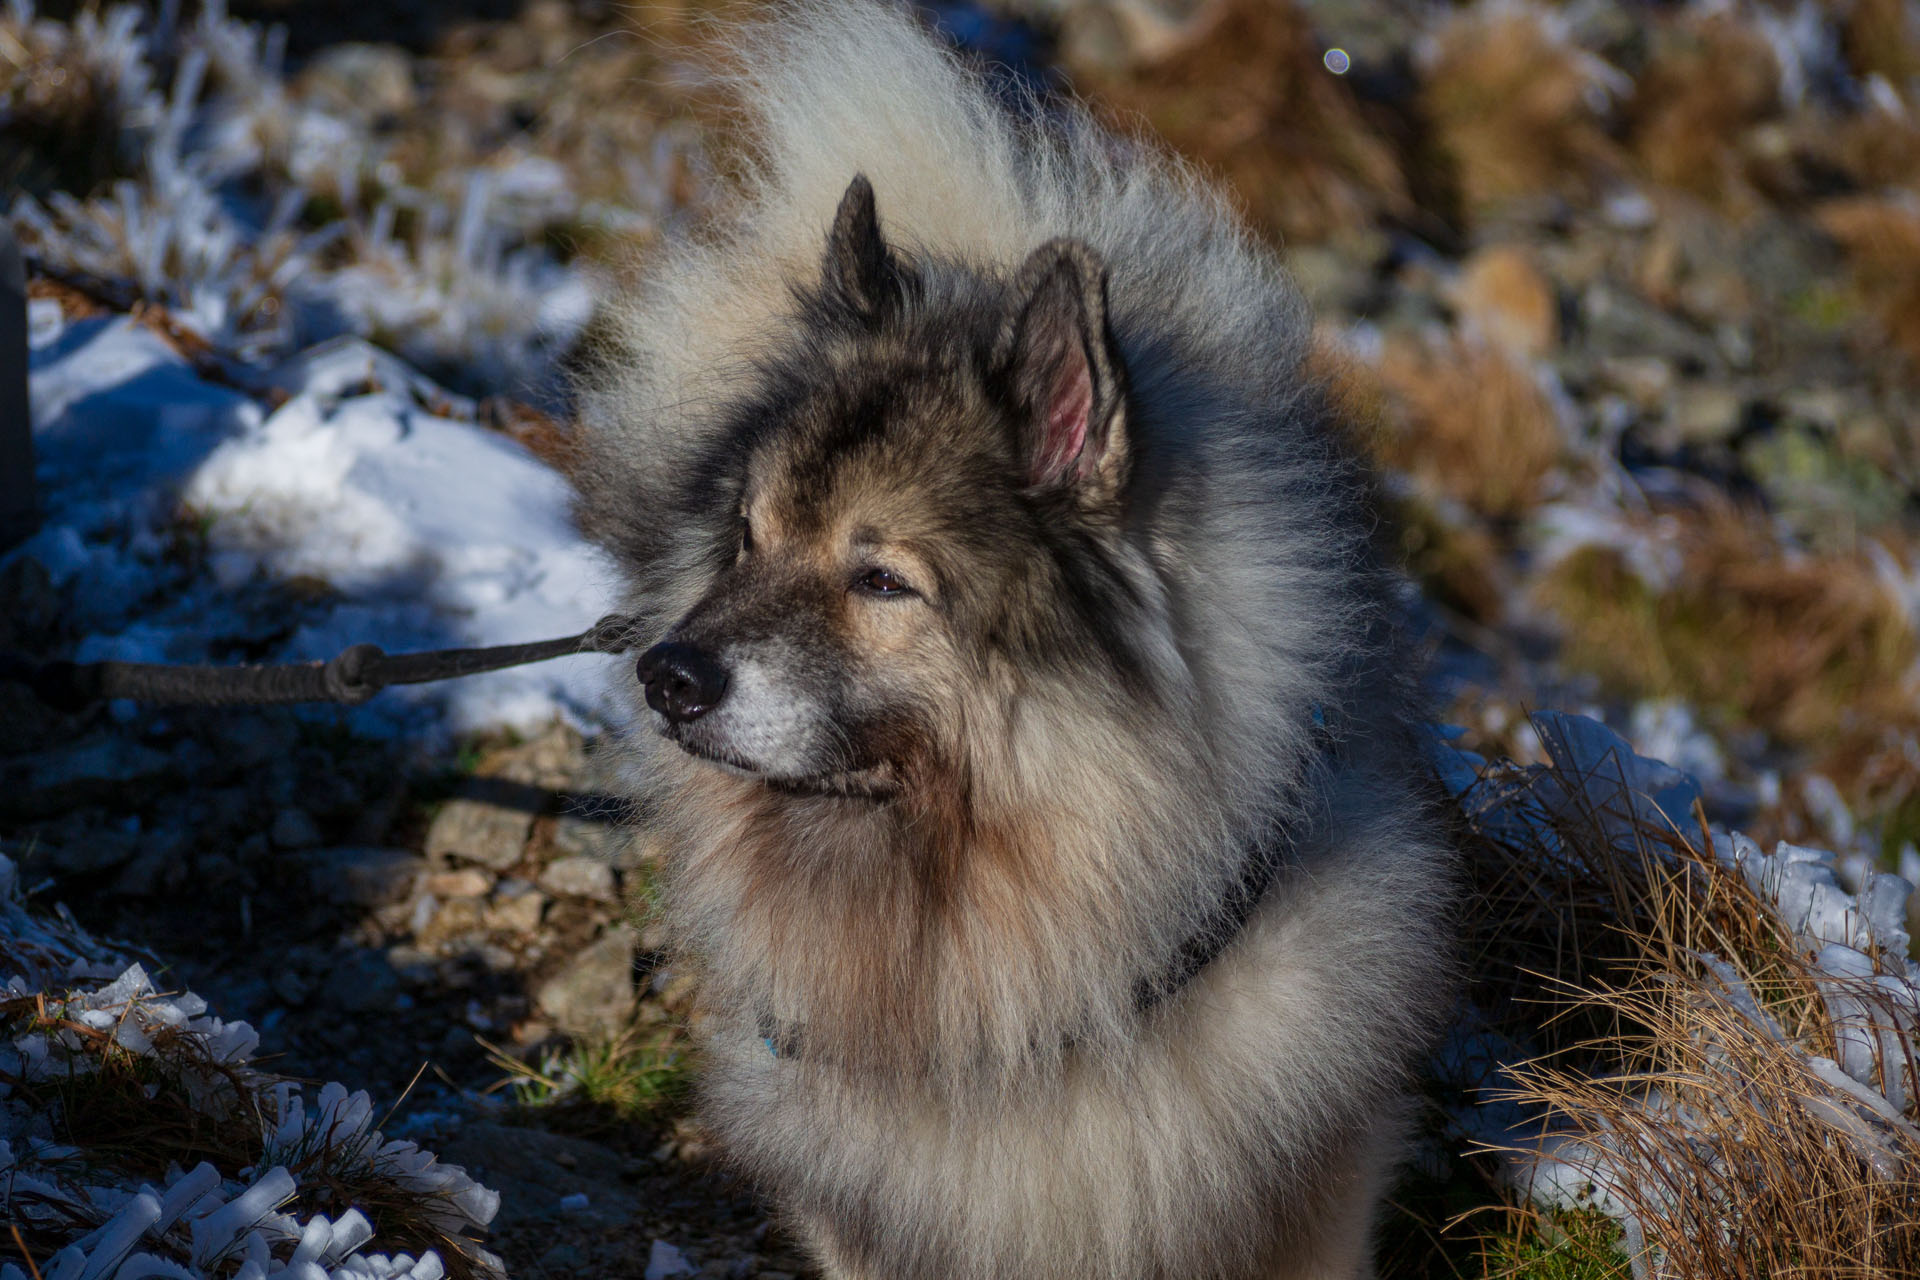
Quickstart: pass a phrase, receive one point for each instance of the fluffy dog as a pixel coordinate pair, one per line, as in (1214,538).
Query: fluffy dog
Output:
(1047,814)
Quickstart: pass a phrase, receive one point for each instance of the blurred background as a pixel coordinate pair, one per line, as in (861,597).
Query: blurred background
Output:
(1624,299)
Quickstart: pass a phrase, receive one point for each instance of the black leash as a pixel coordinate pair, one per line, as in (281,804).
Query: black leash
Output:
(356,674)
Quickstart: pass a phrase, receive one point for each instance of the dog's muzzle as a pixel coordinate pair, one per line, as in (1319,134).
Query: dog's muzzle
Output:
(682,682)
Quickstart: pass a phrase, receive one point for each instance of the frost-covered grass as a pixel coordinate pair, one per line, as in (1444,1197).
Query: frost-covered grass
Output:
(1714,1046)
(268,212)
(139,1140)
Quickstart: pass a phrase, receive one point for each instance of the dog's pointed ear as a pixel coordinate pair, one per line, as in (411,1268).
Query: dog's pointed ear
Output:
(859,267)
(1065,374)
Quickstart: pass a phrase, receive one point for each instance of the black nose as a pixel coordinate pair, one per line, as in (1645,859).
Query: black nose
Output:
(683,683)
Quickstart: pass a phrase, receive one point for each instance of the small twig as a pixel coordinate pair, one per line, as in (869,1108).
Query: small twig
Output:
(21,1244)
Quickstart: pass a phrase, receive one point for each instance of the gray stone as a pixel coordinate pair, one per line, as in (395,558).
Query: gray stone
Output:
(476,830)
(467,882)
(664,1262)
(86,850)
(554,760)
(593,993)
(294,829)
(516,907)
(563,1260)
(363,875)
(579,878)
(103,768)
(1706,412)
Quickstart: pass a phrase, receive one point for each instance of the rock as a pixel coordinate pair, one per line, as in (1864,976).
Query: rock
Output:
(364,876)
(594,992)
(455,917)
(516,907)
(664,1262)
(411,963)
(1647,381)
(294,829)
(1705,412)
(563,1260)
(85,845)
(464,883)
(30,605)
(580,878)
(553,760)
(102,768)
(1505,298)
(478,831)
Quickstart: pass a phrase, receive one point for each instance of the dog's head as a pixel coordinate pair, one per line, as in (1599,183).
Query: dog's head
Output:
(930,483)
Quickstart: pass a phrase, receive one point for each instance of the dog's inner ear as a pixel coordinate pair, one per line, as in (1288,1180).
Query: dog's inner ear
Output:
(859,267)
(1065,373)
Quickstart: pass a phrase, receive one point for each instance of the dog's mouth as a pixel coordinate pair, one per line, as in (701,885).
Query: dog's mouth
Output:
(878,782)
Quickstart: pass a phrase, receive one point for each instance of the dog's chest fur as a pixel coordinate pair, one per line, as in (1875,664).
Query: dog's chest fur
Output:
(1251,1113)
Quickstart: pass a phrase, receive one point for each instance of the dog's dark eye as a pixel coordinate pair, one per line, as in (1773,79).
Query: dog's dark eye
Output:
(883,582)
(746,535)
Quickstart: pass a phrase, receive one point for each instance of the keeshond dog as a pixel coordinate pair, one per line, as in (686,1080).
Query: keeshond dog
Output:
(1020,704)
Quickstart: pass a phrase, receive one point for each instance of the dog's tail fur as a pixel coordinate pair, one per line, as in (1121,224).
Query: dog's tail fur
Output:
(831,88)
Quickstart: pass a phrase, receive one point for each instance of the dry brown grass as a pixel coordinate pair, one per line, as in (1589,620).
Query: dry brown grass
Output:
(1249,98)
(1881,237)
(1682,1030)
(1515,108)
(1878,146)
(1802,645)
(1456,561)
(1708,81)
(1879,37)
(1468,421)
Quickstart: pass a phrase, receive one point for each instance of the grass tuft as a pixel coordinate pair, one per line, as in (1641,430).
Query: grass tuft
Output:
(1881,238)
(1516,109)
(1683,1035)
(1294,142)
(1469,422)
(638,1075)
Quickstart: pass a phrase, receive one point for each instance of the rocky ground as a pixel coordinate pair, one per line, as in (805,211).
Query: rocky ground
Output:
(403,927)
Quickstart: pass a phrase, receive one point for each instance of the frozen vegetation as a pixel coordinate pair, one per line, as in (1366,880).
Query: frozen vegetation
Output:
(86,1025)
